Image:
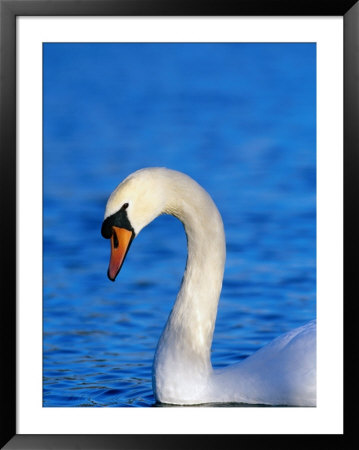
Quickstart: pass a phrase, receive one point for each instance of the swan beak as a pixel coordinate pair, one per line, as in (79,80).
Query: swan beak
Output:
(120,243)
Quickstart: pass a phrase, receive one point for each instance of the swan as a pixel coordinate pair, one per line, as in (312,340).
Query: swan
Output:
(281,373)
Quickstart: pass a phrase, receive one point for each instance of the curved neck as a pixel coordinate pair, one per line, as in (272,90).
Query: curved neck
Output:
(186,340)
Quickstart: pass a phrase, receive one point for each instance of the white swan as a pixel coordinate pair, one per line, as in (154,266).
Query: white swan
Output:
(281,373)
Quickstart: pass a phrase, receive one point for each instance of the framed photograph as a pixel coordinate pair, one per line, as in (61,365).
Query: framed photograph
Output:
(226,324)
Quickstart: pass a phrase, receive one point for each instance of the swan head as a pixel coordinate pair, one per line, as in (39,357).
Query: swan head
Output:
(138,200)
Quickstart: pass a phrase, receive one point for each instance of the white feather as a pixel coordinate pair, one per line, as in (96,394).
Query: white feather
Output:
(281,373)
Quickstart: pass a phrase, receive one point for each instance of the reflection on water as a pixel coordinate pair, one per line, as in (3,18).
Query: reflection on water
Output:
(238,118)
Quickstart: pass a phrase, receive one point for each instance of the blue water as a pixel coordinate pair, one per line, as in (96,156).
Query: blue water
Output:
(238,118)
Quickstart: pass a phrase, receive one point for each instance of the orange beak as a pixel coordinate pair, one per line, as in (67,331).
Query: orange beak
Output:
(120,243)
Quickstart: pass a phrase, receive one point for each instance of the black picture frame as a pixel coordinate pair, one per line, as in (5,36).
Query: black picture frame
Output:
(9,10)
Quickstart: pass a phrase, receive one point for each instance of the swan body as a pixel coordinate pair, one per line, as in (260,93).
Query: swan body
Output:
(281,373)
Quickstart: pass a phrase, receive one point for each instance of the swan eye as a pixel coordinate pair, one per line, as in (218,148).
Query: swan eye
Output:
(118,219)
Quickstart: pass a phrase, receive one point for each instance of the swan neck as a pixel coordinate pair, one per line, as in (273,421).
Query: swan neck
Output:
(187,337)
